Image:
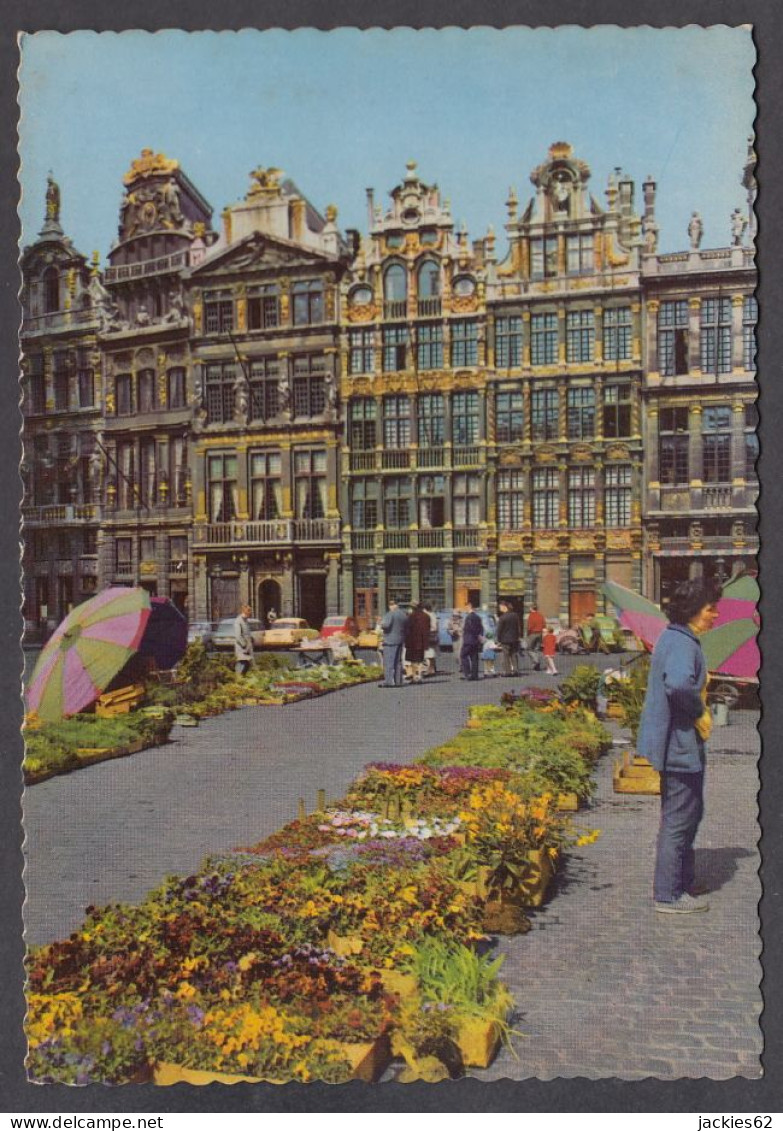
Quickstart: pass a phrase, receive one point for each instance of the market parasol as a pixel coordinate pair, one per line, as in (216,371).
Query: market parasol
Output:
(636,613)
(166,635)
(86,650)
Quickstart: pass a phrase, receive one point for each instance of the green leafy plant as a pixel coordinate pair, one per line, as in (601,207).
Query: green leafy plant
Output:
(581,686)
(630,692)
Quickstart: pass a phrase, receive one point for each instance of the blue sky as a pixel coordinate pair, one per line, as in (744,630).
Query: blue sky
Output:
(340,111)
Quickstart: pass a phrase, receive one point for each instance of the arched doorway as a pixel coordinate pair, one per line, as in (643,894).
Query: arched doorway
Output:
(269,598)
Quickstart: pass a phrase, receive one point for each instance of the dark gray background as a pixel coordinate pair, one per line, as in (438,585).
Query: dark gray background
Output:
(705,1096)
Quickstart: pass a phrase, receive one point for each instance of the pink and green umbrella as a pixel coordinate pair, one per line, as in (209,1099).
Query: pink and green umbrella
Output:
(86,651)
(636,613)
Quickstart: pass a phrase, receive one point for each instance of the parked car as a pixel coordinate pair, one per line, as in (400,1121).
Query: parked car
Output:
(223,636)
(449,617)
(288,632)
(201,630)
(333,625)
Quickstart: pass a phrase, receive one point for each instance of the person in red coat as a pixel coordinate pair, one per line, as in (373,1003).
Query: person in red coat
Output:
(417,638)
(536,623)
(549,647)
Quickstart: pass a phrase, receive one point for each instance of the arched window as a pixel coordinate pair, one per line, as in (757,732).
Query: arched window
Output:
(51,288)
(429,279)
(395,284)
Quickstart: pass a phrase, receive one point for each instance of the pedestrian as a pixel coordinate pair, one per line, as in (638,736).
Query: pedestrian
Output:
(431,654)
(673,732)
(549,648)
(271,617)
(489,654)
(243,642)
(417,635)
(393,628)
(508,634)
(536,624)
(472,639)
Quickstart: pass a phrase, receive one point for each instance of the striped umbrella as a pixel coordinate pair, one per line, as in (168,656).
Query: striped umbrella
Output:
(635,612)
(86,651)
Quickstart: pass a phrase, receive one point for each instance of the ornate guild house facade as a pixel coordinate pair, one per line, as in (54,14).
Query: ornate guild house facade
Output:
(278,414)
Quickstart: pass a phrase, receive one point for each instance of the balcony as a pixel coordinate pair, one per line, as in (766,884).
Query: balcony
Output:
(162,265)
(363,461)
(270,532)
(467,455)
(396,309)
(466,538)
(396,459)
(62,513)
(431,457)
(59,320)
(429,307)
(438,538)
(716,498)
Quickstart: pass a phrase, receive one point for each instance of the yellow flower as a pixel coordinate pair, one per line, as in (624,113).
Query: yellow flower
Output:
(185,991)
(246,961)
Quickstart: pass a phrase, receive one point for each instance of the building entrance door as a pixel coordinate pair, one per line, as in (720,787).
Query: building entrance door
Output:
(312,598)
(365,607)
(582,605)
(225,598)
(269,600)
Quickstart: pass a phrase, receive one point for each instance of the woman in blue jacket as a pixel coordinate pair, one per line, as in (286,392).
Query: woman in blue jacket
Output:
(674,728)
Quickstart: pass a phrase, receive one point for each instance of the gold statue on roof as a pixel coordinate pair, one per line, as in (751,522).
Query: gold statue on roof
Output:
(148,164)
(265,182)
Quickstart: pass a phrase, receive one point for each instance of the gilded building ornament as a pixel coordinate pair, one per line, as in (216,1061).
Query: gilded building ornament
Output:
(149,164)
(581,453)
(546,540)
(464,304)
(545,455)
(511,458)
(618,451)
(583,540)
(241,307)
(618,539)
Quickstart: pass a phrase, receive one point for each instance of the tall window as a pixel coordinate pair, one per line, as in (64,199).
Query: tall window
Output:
(617,333)
(175,387)
(219,379)
(511,500)
(581,496)
(397,503)
(308,302)
(509,417)
(86,382)
(147,391)
(123,555)
(147,548)
(466,498)
(673,445)
(580,336)
(508,342)
(364,503)
(148,478)
(673,338)
(580,409)
(178,553)
(309,385)
(432,586)
(715,353)
(431,420)
(396,421)
(716,444)
(395,341)
(363,424)
(127,487)
(178,471)
(218,313)
(580,257)
(222,487)
(465,418)
(544,405)
(429,346)
(361,356)
(546,497)
(123,389)
(617,410)
(310,483)
(750,315)
(617,495)
(398,580)
(464,342)
(395,292)
(266,485)
(37,384)
(263,308)
(264,388)
(51,290)
(751,440)
(432,491)
(429,288)
(543,339)
(62,383)
(543,257)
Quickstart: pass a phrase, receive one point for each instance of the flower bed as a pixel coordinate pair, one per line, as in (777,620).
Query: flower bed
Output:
(348,936)
(58,748)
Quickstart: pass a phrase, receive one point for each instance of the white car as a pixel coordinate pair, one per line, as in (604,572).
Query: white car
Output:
(223,636)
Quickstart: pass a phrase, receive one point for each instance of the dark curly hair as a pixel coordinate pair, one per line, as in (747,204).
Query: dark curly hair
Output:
(690,597)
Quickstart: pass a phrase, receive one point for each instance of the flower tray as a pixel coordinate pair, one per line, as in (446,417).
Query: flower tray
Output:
(615,711)
(396,982)
(635,775)
(568,802)
(478,1041)
(532,892)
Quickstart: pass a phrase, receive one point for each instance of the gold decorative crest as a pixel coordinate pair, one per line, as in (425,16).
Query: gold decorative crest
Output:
(149,164)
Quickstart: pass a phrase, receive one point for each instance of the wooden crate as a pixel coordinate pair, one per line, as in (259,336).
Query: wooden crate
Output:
(119,702)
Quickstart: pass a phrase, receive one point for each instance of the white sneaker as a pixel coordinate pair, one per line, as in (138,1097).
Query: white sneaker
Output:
(685,905)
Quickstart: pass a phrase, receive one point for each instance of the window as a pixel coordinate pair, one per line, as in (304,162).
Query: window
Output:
(178,471)
(508,342)
(264,388)
(546,497)
(396,422)
(511,499)
(509,417)
(580,258)
(581,496)
(148,480)
(178,553)
(266,485)
(147,548)
(673,446)
(432,491)
(716,444)
(466,497)
(429,347)
(309,385)
(715,353)
(86,382)
(310,483)
(51,290)
(673,338)
(175,387)
(617,333)
(364,504)
(90,542)
(465,418)
(147,393)
(308,302)
(218,314)
(219,379)
(543,257)
(617,495)
(432,586)
(580,336)
(398,581)
(397,503)
(395,292)
(751,440)
(263,308)
(223,487)
(62,383)
(361,356)
(464,342)
(543,339)
(750,315)
(580,410)
(123,555)
(37,384)
(617,410)
(429,280)
(395,341)
(127,489)
(431,420)
(362,436)
(544,411)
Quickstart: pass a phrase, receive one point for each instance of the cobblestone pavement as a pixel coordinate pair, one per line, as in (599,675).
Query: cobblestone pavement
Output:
(604,986)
